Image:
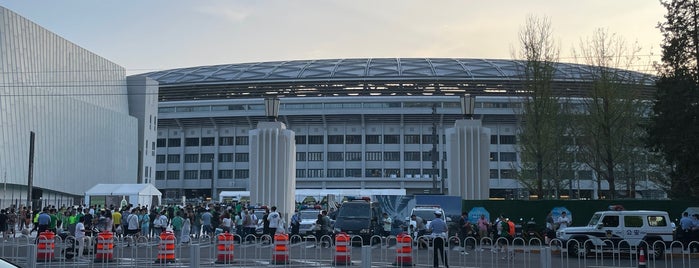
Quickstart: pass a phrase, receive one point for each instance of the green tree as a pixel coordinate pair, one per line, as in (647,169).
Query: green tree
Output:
(674,127)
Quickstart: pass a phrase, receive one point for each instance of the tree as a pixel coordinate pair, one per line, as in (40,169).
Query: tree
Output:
(541,125)
(674,127)
(610,126)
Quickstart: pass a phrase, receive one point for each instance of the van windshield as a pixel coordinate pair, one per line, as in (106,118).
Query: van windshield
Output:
(355,211)
(427,215)
(595,219)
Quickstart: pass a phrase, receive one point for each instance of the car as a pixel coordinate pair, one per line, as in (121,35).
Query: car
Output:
(635,227)
(308,221)
(426,212)
(359,218)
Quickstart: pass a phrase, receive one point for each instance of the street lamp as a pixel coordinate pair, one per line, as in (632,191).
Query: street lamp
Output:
(468,105)
(272,108)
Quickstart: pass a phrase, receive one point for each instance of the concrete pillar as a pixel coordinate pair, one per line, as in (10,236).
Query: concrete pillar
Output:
(273,167)
(468,158)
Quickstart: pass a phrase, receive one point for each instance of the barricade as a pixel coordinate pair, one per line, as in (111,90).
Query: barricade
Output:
(166,248)
(45,246)
(343,251)
(280,255)
(404,250)
(105,247)
(224,248)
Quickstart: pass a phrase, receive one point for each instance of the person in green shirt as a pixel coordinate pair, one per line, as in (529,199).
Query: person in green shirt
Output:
(177,223)
(54,220)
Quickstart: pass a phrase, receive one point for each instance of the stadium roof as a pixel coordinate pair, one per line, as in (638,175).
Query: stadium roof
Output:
(335,76)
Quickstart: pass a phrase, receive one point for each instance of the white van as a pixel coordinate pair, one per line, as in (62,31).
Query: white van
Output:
(632,226)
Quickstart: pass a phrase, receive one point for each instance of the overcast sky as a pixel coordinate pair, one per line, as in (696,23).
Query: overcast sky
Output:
(148,35)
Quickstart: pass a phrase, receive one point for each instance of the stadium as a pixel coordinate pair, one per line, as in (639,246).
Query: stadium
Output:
(371,123)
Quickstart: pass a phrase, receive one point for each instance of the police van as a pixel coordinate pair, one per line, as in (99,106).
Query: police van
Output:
(619,229)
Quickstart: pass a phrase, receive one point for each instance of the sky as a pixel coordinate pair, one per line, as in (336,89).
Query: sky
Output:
(152,35)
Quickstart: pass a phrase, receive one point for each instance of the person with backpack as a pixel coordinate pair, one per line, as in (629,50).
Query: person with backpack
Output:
(504,233)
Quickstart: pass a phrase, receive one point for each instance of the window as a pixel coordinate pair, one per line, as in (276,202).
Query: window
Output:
(391,156)
(316,139)
(173,175)
(242,157)
(191,158)
(191,142)
(242,173)
(493,156)
(225,157)
(656,221)
(412,139)
(336,139)
(392,172)
(162,143)
(391,139)
(508,157)
(494,174)
(373,156)
(206,175)
(226,141)
(412,172)
(173,158)
(610,221)
(300,173)
(335,173)
(427,156)
(160,159)
(173,142)
(300,139)
(315,156)
(507,173)
(207,158)
(508,139)
(427,139)
(315,173)
(353,139)
(633,221)
(353,156)
(412,156)
(160,175)
(242,140)
(225,174)
(300,156)
(191,174)
(374,173)
(208,141)
(585,174)
(493,139)
(335,156)
(353,173)
(372,139)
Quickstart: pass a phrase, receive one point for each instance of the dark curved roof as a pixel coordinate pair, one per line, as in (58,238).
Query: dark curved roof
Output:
(315,73)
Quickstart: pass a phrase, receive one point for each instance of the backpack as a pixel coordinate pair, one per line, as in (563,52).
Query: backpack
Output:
(512,228)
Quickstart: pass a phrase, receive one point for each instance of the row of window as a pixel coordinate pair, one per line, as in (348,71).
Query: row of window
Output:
(511,174)
(300,173)
(203,174)
(320,139)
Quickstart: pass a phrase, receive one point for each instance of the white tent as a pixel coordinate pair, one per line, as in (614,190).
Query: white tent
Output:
(136,194)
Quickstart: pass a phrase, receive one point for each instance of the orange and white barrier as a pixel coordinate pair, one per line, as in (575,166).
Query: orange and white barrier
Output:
(343,249)
(224,248)
(404,250)
(642,258)
(280,255)
(44,250)
(166,248)
(105,247)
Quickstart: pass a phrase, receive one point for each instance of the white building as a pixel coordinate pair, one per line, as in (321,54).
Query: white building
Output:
(89,122)
(359,123)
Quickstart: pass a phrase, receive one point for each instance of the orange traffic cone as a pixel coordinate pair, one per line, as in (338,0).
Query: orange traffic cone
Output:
(642,258)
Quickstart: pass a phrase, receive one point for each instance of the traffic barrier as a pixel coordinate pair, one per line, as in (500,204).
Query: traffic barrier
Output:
(45,247)
(404,250)
(105,247)
(280,255)
(166,248)
(642,258)
(224,248)
(343,252)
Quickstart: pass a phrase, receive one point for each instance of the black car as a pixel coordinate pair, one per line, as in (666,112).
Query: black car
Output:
(359,218)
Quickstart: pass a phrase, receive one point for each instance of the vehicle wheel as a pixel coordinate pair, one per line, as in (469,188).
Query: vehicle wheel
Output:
(579,249)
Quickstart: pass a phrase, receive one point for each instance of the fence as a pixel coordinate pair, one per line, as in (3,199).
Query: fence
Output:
(310,251)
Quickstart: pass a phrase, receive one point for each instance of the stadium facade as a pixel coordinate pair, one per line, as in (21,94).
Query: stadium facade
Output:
(359,123)
(92,125)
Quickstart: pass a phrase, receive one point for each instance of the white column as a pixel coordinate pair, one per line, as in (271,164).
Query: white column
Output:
(273,167)
(468,156)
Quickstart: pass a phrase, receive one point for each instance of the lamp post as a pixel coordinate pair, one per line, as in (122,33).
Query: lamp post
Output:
(272,108)
(468,105)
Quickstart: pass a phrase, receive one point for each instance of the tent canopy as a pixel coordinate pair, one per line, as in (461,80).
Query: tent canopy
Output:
(134,193)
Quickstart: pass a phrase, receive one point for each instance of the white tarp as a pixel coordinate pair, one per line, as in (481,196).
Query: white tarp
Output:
(135,194)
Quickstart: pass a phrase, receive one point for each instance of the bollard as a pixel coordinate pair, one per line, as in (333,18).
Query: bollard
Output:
(166,248)
(545,257)
(404,250)
(224,248)
(366,256)
(105,247)
(343,251)
(280,254)
(194,256)
(642,258)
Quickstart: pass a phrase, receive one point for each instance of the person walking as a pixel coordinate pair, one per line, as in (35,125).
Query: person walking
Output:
(386,223)
(275,222)
(80,236)
(440,233)
(295,222)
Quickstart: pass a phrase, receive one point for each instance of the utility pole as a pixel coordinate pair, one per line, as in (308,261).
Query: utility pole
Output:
(30,175)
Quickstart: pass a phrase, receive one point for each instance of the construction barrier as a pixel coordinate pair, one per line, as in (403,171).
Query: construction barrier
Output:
(280,255)
(343,249)
(105,247)
(166,248)
(224,248)
(404,250)
(46,246)
(642,258)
